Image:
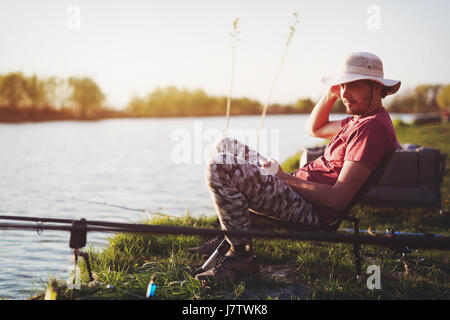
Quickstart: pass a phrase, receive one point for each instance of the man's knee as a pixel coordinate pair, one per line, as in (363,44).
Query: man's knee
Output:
(224,158)
(226,145)
(216,159)
(221,163)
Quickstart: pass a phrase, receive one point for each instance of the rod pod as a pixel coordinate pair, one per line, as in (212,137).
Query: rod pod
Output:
(77,241)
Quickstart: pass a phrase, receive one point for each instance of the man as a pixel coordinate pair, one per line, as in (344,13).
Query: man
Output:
(315,194)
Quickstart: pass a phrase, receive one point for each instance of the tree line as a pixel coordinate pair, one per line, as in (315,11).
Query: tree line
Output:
(172,101)
(31,98)
(424,98)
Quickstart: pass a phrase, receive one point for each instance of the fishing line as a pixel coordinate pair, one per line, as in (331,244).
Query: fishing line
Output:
(283,57)
(234,40)
(107,204)
(292,29)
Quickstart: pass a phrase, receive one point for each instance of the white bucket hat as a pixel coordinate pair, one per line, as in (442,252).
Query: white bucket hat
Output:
(363,66)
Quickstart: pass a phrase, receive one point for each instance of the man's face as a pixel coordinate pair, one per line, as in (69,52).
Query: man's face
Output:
(356,96)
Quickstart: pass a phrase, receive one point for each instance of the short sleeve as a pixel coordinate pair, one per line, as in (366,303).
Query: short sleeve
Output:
(368,144)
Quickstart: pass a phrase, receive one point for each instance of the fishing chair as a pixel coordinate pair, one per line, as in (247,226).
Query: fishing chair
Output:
(344,215)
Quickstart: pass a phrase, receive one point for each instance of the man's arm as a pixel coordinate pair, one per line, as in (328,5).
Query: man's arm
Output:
(337,196)
(318,124)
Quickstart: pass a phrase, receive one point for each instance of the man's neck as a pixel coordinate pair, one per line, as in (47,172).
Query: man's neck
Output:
(376,105)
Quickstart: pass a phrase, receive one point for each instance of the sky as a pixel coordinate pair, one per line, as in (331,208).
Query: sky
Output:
(132,47)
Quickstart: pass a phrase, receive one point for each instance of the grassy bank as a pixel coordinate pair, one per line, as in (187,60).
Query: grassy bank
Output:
(292,270)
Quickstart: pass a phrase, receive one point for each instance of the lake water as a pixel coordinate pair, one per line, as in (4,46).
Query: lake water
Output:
(137,163)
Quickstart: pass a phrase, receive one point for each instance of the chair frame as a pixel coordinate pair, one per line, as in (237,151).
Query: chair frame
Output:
(343,215)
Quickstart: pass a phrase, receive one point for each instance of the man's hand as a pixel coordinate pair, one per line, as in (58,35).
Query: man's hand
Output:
(337,196)
(272,167)
(318,124)
(335,91)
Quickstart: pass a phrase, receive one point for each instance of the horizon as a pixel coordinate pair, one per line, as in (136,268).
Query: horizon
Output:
(131,48)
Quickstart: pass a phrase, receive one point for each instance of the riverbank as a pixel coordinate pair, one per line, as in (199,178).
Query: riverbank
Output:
(291,270)
(47,114)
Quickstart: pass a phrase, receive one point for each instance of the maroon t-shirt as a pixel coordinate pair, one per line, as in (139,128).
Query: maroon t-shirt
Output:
(365,139)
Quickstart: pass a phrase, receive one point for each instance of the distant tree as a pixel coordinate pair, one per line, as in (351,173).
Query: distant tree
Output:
(195,101)
(304,105)
(160,102)
(171,101)
(245,106)
(422,99)
(425,98)
(35,91)
(136,106)
(443,97)
(404,103)
(86,95)
(339,107)
(58,92)
(1,97)
(12,90)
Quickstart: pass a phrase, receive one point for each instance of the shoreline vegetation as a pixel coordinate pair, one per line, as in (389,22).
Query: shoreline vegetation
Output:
(291,270)
(32,99)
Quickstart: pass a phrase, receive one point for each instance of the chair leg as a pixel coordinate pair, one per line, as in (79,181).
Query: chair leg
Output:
(356,250)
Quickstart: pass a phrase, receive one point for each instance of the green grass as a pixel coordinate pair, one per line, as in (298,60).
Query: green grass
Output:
(326,269)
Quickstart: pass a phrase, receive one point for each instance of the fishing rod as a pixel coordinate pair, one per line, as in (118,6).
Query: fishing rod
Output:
(127,227)
(397,233)
(84,226)
(79,229)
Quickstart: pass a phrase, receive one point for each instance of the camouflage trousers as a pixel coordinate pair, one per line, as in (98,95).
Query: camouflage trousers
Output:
(237,183)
